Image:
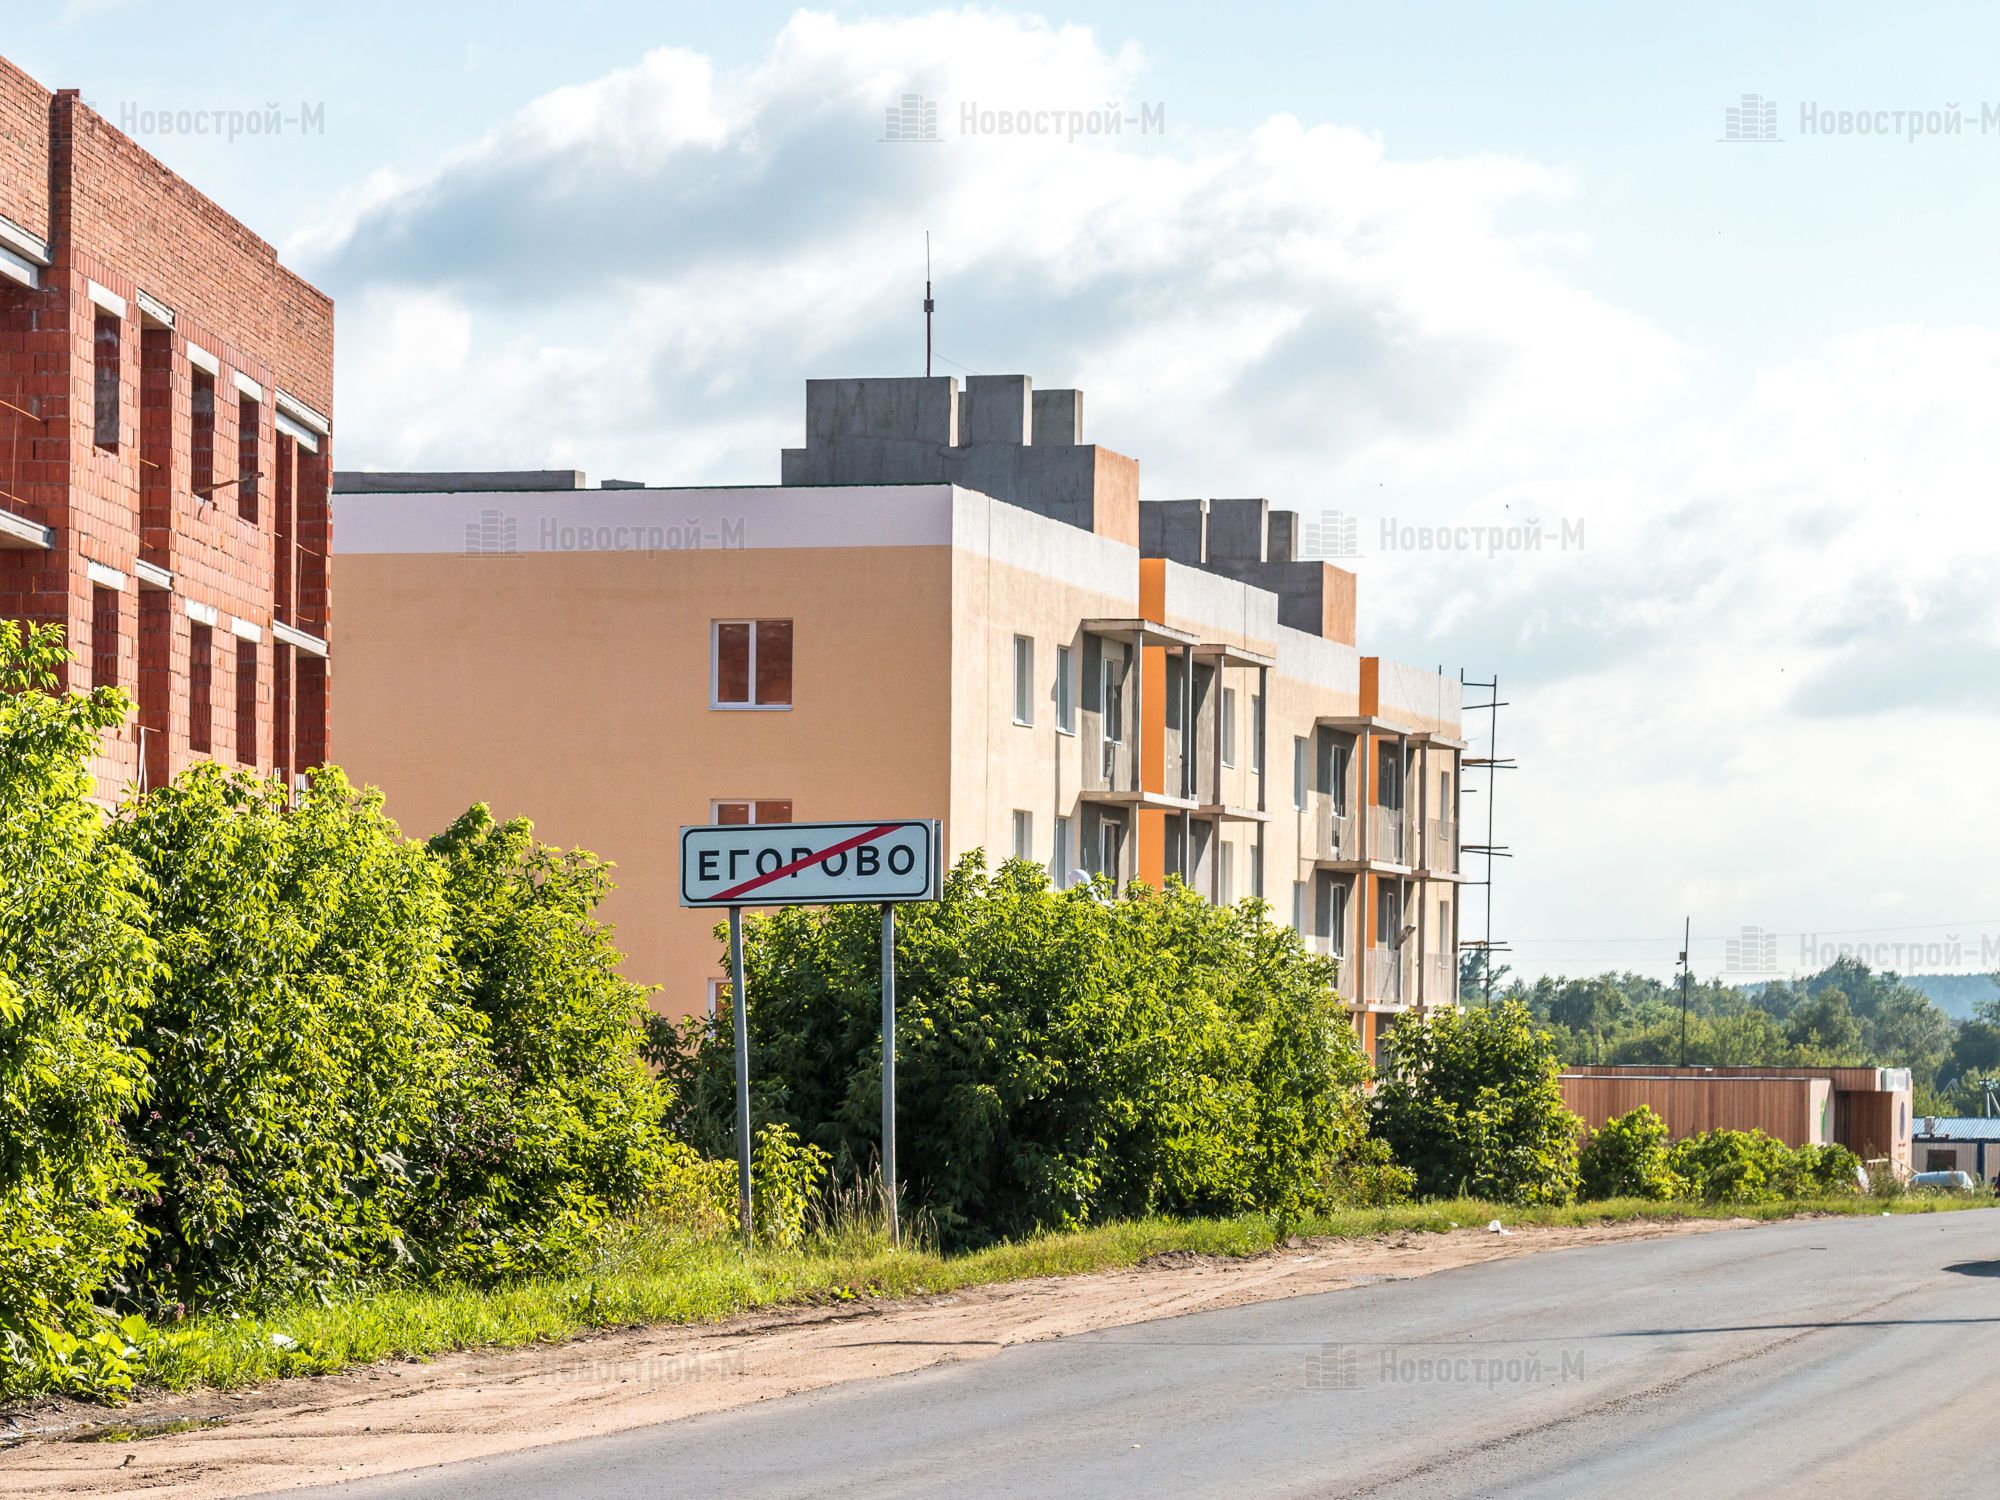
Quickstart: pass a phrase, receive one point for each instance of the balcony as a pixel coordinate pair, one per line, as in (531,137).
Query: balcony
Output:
(1388,976)
(1440,979)
(1332,834)
(1391,837)
(1441,846)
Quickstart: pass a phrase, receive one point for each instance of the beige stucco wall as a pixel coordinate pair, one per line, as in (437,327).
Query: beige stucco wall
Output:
(572,687)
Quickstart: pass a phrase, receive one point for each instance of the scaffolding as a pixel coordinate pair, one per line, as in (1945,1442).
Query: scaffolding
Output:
(1492,763)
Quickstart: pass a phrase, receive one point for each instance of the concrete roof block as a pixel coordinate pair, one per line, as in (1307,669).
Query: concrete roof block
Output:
(1237,530)
(995,410)
(1058,419)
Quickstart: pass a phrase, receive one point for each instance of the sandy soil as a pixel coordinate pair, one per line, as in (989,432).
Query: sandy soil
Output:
(393,1416)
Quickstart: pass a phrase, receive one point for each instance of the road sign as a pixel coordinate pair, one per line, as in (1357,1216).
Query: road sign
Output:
(809,864)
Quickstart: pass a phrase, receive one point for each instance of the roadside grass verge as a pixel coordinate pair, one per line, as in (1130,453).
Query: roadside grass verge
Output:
(647,1275)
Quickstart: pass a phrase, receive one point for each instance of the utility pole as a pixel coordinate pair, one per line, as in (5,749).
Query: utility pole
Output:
(930,303)
(1687,927)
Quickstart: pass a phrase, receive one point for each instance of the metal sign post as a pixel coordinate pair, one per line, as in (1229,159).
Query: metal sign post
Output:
(811,864)
(739,994)
(889,1193)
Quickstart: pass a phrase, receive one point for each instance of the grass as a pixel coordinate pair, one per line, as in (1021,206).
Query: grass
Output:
(648,1275)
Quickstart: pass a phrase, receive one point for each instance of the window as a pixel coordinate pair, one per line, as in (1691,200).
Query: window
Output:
(1111,695)
(1257,733)
(718,996)
(1225,874)
(201,686)
(103,636)
(1024,834)
(1059,865)
(1940,1161)
(1299,907)
(104,388)
(751,664)
(202,441)
(1024,679)
(1228,735)
(1065,691)
(1298,772)
(246,701)
(1176,690)
(1388,781)
(247,473)
(1444,794)
(1388,914)
(1336,922)
(1110,848)
(1257,869)
(744,810)
(1341,759)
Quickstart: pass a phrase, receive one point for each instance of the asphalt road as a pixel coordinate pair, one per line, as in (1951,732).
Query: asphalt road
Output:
(1832,1358)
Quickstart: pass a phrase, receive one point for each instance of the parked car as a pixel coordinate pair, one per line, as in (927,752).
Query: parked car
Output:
(1950,1182)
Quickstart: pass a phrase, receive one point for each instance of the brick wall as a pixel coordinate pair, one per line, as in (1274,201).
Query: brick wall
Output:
(115,216)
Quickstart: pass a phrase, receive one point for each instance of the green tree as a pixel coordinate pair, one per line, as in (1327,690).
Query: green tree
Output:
(1471,1104)
(1824,1024)
(75,964)
(1062,1057)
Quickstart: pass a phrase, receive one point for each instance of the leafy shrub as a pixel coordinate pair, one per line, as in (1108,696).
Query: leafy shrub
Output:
(1062,1058)
(1730,1166)
(786,1176)
(553,1120)
(1627,1157)
(1471,1105)
(1830,1171)
(301,1036)
(1367,1177)
(75,966)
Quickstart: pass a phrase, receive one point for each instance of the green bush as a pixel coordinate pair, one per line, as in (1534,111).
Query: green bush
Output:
(1730,1166)
(553,1120)
(1627,1157)
(76,964)
(786,1179)
(1062,1059)
(1830,1171)
(1471,1106)
(252,1047)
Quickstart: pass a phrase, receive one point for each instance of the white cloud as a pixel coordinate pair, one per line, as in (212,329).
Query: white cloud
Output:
(1729,698)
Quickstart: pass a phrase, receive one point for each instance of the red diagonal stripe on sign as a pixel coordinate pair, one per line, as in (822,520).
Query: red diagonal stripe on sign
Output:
(799,864)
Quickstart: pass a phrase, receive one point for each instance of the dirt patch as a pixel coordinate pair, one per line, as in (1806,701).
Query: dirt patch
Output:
(382,1418)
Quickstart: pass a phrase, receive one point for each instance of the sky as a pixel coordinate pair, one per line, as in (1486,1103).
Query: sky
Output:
(1688,440)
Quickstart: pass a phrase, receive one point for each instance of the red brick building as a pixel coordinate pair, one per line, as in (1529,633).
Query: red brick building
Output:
(166,389)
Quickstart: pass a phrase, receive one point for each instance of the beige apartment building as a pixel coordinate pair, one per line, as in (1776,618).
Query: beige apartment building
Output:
(951,607)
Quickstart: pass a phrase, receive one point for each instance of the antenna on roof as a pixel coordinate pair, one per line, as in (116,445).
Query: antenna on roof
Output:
(930,303)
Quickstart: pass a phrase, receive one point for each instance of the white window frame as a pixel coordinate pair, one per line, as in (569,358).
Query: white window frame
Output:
(1228,728)
(716,804)
(1111,698)
(1059,858)
(1225,873)
(1024,833)
(750,680)
(1065,690)
(1299,905)
(1337,918)
(1299,768)
(1257,734)
(717,987)
(1024,681)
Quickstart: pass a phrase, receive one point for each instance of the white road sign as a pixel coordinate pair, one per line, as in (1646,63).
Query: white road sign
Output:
(809,864)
